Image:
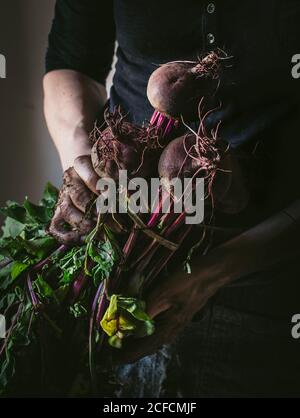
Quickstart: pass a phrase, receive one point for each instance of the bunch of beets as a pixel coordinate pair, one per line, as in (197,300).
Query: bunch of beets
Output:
(103,281)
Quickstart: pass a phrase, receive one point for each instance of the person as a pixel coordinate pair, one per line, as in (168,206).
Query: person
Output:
(231,319)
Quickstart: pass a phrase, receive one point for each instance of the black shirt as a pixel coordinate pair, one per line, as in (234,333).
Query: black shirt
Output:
(261,36)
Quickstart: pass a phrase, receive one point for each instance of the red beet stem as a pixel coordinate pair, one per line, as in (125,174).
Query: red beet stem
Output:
(101,308)
(149,252)
(41,264)
(175,225)
(153,221)
(79,283)
(169,127)
(154,118)
(154,272)
(163,123)
(127,249)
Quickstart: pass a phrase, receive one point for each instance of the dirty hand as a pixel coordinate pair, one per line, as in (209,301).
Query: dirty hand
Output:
(72,220)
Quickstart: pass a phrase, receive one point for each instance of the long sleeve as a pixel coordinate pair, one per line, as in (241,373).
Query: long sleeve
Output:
(82,38)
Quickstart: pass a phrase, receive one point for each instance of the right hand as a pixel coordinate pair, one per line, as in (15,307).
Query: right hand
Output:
(72,220)
(75,216)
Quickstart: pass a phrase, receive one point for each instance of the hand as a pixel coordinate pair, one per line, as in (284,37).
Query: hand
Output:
(71,221)
(175,301)
(172,304)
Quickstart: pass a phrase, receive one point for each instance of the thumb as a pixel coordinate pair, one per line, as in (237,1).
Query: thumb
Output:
(84,168)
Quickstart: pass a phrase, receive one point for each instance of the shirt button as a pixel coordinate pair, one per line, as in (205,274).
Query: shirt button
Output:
(211,38)
(211,8)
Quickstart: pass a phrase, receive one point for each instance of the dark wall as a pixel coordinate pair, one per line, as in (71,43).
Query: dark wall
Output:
(27,157)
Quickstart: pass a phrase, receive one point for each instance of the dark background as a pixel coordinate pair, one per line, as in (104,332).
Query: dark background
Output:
(27,156)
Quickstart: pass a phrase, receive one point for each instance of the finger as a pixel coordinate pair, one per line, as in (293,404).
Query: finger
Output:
(74,216)
(84,168)
(80,195)
(58,230)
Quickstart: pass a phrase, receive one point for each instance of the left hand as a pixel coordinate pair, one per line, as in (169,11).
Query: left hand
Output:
(172,304)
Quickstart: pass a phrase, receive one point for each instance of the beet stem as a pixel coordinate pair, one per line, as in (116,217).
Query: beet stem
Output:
(153,221)
(154,117)
(127,250)
(47,260)
(169,127)
(161,120)
(154,245)
(33,296)
(164,260)
(101,307)
(79,283)
(100,292)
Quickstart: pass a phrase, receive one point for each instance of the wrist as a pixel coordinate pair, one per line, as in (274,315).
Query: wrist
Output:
(72,147)
(212,271)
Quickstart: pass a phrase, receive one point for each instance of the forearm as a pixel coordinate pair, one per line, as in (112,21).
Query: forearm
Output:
(261,247)
(72,102)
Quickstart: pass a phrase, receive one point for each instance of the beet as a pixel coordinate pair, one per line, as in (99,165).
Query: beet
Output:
(176,88)
(124,146)
(191,156)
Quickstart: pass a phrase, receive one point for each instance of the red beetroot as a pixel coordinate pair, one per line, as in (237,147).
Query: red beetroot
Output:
(124,146)
(176,88)
(192,156)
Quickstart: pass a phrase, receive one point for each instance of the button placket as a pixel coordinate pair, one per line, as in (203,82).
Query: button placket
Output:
(211,24)
(211,38)
(211,8)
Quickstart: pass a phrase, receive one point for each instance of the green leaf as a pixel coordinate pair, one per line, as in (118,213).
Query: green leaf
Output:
(50,196)
(12,228)
(78,310)
(115,341)
(145,329)
(7,300)
(43,288)
(37,214)
(40,247)
(126,316)
(105,257)
(18,269)
(15,211)
(5,271)
(25,241)
(21,249)
(70,264)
